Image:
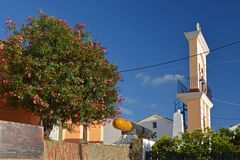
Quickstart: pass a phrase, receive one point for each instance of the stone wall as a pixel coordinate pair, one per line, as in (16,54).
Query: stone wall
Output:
(106,152)
(72,151)
(22,141)
(61,151)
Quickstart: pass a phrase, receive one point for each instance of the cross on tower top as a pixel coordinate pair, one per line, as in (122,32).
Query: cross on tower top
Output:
(198,28)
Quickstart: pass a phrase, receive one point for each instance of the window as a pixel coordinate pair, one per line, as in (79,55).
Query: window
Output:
(154,124)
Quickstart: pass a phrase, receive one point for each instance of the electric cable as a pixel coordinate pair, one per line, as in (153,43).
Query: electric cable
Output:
(209,65)
(226,102)
(225,118)
(179,59)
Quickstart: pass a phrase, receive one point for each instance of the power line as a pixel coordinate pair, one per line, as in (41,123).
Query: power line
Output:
(224,62)
(226,102)
(209,65)
(179,59)
(225,118)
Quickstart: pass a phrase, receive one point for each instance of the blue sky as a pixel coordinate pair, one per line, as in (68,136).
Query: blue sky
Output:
(140,32)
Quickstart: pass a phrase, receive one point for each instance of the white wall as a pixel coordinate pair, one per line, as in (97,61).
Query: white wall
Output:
(110,134)
(164,126)
(54,134)
(147,144)
(178,127)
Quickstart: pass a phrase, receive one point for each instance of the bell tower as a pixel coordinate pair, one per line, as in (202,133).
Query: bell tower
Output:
(197,96)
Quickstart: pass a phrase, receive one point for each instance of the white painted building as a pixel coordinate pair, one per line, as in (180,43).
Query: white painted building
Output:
(156,123)
(234,127)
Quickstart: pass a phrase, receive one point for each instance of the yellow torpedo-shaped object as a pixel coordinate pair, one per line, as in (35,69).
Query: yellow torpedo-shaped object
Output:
(122,124)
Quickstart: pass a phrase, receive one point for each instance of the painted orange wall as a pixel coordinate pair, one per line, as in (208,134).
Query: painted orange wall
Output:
(196,119)
(9,113)
(194,115)
(73,136)
(22,116)
(193,64)
(95,133)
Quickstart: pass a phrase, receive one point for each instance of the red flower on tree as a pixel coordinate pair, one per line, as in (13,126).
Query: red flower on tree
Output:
(57,72)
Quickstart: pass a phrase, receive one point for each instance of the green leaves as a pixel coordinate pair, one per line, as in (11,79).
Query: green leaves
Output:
(198,145)
(167,148)
(63,67)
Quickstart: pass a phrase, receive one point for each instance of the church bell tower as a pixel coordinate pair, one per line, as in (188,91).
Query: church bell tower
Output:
(197,96)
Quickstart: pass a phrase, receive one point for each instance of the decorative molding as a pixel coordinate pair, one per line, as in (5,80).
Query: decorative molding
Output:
(185,97)
(197,35)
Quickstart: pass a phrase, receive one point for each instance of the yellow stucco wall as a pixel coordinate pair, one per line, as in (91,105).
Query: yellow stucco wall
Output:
(194,115)
(198,115)
(73,136)
(193,64)
(95,134)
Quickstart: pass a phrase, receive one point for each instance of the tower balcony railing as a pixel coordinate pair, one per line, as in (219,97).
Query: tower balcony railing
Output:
(195,84)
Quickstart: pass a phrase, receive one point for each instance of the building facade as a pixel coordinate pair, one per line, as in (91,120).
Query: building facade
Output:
(158,124)
(95,133)
(92,133)
(233,127)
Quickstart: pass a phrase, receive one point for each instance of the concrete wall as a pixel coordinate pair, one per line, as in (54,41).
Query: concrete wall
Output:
(18,140)
(73,151)
(110,134)
(24,141)
(106,152)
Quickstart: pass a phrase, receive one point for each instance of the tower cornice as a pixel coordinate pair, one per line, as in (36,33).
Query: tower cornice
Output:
(198,36)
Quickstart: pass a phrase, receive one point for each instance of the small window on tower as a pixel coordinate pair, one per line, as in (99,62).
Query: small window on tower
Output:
(154,124)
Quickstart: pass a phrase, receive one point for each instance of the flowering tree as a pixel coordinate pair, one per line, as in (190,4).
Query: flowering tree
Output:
(57,72)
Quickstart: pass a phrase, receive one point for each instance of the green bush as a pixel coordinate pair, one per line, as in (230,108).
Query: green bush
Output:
(199,145)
